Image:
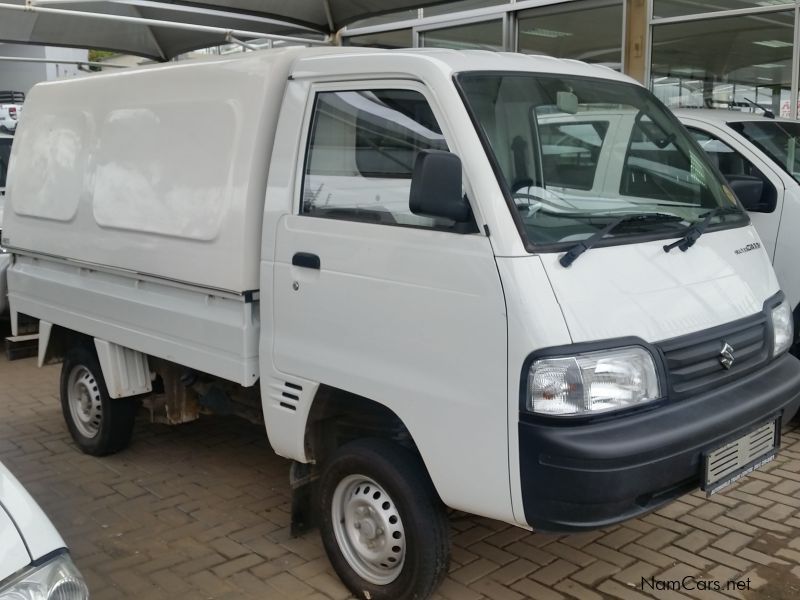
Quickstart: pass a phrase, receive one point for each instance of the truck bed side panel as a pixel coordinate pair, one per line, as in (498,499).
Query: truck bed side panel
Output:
(208,331)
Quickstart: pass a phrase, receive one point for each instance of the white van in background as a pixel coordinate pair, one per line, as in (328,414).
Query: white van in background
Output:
(760,158)
(444,295)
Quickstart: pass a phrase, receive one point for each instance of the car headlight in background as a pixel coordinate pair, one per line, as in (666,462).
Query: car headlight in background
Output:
(593,382)
(782,328)
(56,579)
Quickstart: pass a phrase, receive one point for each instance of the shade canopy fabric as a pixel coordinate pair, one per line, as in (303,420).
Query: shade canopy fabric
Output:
(50,22)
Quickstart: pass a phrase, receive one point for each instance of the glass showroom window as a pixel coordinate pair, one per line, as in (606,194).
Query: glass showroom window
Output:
(462,5)
(394,17)
(397,38)
(485,35)
(729,62)
(678,8)
(591,32)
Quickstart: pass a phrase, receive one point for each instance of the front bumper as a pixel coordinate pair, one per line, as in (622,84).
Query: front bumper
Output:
(577,477)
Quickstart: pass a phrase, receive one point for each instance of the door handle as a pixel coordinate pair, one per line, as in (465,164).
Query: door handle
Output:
(306,260)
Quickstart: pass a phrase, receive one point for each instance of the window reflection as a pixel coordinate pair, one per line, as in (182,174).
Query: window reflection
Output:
(733,62)
(462,5)
(590,34)
(398,38)
(678,8)
(487,35)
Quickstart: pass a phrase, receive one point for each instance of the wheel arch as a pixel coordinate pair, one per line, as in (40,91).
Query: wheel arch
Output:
(337,417)
(125,372)
(55,341)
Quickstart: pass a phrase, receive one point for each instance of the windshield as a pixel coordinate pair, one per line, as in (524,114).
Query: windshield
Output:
(575,153)
(777,139)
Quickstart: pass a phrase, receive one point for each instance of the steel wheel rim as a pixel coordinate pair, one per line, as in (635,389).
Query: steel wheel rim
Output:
(85,402)
(368,529)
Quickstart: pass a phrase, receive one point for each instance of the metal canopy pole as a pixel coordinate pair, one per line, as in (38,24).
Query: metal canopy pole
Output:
(223,31)
(60,62)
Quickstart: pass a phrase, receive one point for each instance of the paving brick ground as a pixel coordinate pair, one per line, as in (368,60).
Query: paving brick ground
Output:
(201,511)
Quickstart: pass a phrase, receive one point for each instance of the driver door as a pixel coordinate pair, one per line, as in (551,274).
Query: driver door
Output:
(402,309)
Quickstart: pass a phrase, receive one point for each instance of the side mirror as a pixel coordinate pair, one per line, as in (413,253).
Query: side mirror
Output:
(750,191)
(436,187)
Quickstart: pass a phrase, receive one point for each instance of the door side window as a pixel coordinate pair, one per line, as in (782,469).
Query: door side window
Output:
(734,166)
(361,154)
(655,168)
(571,152)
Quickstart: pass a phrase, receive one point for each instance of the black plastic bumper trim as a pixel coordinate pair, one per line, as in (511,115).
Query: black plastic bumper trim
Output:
(596,474)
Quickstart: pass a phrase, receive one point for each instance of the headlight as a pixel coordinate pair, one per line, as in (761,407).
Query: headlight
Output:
(592,383)
(57,579)
(782,328)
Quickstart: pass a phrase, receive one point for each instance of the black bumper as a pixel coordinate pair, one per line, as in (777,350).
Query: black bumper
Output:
(577,477)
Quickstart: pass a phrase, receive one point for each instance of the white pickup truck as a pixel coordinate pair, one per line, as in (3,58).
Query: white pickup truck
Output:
(34,561)
(5,259)
(444,295)
(760,158)
(10,110)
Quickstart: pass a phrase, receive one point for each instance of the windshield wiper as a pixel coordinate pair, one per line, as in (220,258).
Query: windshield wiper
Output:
(696,230)
(575,251)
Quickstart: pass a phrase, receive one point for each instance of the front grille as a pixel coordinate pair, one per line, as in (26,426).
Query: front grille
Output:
(694,362)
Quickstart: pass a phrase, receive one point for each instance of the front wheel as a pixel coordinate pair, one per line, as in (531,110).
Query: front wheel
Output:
(99,425)
(383,526)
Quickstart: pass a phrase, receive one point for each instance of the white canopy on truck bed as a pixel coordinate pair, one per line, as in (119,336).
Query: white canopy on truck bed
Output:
(160,171)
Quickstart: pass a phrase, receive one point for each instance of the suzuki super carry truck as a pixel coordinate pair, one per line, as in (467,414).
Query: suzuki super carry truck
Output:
(760,158)
(445,293)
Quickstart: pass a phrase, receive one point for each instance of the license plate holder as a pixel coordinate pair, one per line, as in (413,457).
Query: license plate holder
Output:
(739,457)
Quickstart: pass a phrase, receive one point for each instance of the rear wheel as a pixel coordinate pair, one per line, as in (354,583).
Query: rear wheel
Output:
(99,425)
(383,526)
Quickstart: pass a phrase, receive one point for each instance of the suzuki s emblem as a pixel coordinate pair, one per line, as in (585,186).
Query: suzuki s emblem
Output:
(726,357)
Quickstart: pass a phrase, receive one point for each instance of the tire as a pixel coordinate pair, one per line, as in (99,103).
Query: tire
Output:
(99,425)
(376,492)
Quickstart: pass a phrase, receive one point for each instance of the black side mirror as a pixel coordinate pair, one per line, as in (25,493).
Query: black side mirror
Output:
(436,187)
(750,191)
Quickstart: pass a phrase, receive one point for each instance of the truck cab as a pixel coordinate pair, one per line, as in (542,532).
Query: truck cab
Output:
(508,285)
(756,155)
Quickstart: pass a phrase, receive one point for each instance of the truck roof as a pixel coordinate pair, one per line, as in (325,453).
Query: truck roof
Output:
(454,61)
(458,61)
(721,116)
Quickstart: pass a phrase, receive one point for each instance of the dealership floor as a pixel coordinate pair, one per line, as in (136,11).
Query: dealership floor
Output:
(201,511)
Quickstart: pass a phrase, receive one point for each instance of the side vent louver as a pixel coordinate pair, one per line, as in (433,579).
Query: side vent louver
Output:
(287,394)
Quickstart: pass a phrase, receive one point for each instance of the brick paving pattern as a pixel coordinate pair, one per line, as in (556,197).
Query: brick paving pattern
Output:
(202,511)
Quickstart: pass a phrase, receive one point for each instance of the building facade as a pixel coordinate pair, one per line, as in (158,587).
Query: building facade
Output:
(22,76)
(692,53)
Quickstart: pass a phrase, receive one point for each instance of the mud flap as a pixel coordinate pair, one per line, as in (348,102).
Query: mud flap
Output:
(303,480)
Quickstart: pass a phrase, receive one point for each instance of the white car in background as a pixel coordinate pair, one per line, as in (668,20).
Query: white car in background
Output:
(5,259)
(10,110)
(34,561)
(760,158)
